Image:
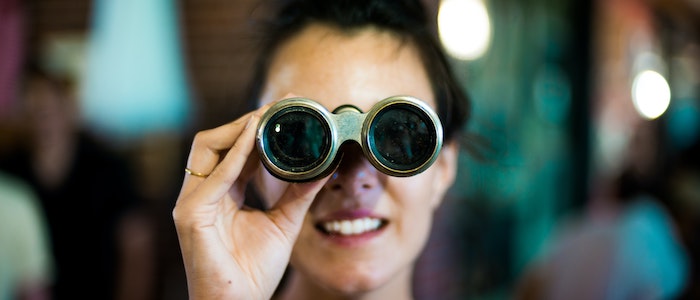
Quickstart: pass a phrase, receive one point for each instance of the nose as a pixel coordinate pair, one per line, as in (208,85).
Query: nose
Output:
(355,175)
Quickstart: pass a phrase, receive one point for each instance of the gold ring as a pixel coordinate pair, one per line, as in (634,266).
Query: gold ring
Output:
(193,173)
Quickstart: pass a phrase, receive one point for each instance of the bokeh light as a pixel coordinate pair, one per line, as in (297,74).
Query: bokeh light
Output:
(465,28)
(651,94)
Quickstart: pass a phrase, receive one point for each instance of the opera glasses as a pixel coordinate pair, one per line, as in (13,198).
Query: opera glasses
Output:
(299,140)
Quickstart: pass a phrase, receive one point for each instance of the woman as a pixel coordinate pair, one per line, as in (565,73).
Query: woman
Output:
(336,53)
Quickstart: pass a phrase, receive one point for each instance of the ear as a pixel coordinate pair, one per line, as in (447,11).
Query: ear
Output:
(446,166)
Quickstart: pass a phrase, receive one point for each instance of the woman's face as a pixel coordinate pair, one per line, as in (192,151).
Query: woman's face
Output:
(387,219)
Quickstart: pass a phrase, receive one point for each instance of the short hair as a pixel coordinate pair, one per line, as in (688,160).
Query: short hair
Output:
(406,18)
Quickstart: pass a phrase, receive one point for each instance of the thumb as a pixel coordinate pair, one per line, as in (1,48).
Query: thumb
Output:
(288,213)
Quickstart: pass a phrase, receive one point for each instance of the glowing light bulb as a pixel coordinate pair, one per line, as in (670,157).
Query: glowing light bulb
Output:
(464,27)
(651,94)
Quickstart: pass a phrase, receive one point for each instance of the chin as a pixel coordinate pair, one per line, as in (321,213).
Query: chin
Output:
(355,279)
(351,284)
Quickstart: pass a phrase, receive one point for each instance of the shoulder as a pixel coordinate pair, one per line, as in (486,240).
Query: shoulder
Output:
(23,226)
(15,192)
(19,205)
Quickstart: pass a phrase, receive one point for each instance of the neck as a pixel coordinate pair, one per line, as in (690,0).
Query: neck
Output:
(299,286)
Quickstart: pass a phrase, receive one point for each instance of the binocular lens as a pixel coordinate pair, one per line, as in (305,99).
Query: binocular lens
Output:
(402,138)
(297,139)
(300,140)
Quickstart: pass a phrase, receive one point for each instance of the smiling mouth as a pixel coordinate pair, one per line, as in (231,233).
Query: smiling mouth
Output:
(351,227)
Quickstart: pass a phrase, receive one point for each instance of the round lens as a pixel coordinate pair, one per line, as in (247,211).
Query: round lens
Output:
(296,139)
(402,137)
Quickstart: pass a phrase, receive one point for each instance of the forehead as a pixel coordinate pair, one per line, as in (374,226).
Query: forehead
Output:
(335,68)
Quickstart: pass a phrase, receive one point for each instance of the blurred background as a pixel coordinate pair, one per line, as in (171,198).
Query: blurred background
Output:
(580,177)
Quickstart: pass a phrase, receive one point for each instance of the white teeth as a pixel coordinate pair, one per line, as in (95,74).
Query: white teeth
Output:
(351,227)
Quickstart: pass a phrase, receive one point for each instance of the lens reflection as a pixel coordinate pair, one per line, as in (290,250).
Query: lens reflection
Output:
(402,138)
(296,140)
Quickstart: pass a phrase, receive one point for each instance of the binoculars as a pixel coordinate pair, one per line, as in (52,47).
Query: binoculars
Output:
(300,140)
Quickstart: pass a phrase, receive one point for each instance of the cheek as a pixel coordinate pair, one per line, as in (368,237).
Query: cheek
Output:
(419,191)
(416,199)
(269,187)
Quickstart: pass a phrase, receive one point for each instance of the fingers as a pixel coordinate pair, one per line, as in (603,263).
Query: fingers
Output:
(207,149)
(224,154)
(288,213)
(210,146)
(211,189)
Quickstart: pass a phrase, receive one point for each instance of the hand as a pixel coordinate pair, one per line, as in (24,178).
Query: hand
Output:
(231,251)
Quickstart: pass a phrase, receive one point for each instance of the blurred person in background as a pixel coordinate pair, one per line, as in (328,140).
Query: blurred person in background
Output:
(26,263)
(100,242)
(683,185)
(627,245)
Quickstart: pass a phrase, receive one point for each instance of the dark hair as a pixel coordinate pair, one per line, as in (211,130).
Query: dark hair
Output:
(406,18)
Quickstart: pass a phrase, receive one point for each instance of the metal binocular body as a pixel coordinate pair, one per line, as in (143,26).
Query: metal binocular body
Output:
(299,140)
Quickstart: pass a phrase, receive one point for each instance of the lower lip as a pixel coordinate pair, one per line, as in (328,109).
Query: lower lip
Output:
(355,240)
